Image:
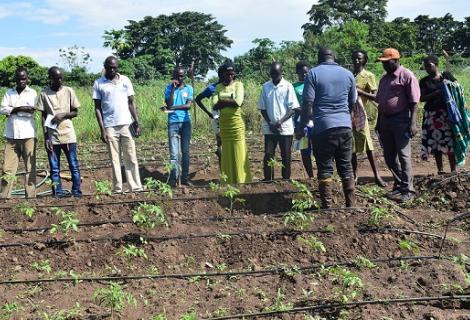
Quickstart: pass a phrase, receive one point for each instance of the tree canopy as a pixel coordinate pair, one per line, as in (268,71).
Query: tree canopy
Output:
(177,39)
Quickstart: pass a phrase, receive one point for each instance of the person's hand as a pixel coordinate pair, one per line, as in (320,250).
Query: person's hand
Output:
(138,131)
(104,137)
(175,83)
(48,145)
(413,129)
(58,118)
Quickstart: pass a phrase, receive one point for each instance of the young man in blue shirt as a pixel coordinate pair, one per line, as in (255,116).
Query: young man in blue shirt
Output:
(178,99)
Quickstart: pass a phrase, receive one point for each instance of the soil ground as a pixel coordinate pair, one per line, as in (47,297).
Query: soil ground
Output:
(212,262)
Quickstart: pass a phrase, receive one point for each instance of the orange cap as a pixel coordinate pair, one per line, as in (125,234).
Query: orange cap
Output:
(389,54)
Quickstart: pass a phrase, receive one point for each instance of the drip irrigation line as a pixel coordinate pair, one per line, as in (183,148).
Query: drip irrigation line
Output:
(136,238)
(349,305)
(398,212)
(398,230)
(278,270)
(148,200)
(448,224)
(455,175)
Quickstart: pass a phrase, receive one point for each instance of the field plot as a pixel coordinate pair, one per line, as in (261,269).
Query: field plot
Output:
(261,250)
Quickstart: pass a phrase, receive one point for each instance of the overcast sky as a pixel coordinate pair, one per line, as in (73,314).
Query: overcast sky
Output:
(40,28)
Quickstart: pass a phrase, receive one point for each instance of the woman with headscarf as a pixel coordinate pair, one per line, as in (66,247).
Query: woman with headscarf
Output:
(366,89)
(228,98)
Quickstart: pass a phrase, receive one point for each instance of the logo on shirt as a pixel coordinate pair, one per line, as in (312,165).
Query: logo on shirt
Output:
(185,94)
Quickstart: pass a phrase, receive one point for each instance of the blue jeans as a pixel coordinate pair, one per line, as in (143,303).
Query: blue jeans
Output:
(70,151)
(179,136)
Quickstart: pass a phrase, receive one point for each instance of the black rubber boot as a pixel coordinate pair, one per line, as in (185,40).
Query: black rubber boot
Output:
(349,186)
(325,188)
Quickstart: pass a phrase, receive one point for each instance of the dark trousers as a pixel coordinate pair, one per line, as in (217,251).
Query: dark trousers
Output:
(333,144)
(396,143)
(285,144)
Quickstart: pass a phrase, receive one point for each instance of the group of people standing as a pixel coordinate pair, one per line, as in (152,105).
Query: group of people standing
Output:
(329,112)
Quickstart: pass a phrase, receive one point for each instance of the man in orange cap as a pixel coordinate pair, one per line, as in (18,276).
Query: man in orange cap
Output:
(398,95)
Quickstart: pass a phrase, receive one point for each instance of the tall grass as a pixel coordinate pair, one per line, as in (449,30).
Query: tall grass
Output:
(149,98)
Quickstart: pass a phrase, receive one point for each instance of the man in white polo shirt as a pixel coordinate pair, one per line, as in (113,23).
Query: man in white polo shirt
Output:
(277,104)
(18,105)
(115,111)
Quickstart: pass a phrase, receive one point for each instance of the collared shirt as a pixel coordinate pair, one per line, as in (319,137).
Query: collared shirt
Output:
(299,89)
(397,91)
(19,125)
(277,100)
(54,102)
(114,100)
(181,96)
(332,89)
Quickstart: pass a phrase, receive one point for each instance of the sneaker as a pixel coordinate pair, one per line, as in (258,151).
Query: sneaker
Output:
(405,197)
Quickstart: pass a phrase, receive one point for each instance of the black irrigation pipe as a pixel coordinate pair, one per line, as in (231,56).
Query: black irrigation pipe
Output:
(348,305)
(464,173)
(395,206)
(279,270)
(398,230)
(448,224)
(150,200)
(136,237)
(214,218)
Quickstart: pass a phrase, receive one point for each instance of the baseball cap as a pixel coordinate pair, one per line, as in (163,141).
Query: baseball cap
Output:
(389,54)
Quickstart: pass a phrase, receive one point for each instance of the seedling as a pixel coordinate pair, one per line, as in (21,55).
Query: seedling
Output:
(131,251)
(160,316)
(68,222)
(298,220)
(408,245)
(279,304)
(312,242)
(221,267)
(220,312)
(7,310)
(329,228)
(163,187)
(303,200)
(149,216)
(226,190)
(189,316)
(378,215)
(42,266)
(10,178)
(73,313)
(102,187)
(25,208)
(167,168)
(350,282)
(461,260)
(114,298)
(272,164)
(223,237)
(363,262)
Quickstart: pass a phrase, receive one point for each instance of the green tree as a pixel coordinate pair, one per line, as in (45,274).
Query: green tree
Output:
(255,63)
(435,34)
(342,39)
(9,64)
(329,13)
(177,39)
(74,57)
(400,33)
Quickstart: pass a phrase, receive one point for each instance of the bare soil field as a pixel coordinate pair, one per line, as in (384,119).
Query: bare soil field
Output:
(253,253)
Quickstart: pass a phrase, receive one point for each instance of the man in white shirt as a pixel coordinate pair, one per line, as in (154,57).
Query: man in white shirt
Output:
(277,104)
(116,113)
(18,105)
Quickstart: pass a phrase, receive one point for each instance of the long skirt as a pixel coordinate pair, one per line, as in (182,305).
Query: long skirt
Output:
(436,133)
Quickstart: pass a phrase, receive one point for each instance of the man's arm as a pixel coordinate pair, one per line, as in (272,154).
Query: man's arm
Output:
(414,112)
(133,111)
(99,118)
(170,95)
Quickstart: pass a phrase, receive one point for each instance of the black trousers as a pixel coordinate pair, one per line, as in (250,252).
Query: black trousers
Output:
(333,144)
(285,144)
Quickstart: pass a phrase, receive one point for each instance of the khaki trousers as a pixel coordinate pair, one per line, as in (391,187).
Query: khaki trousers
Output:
(16,149)
(120,141)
